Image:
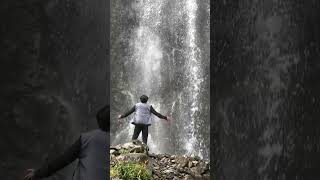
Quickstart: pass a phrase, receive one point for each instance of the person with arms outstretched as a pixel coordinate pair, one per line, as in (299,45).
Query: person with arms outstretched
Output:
(142,118)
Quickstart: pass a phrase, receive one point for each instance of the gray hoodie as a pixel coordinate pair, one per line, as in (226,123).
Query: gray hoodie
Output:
(93,157)
(91,150)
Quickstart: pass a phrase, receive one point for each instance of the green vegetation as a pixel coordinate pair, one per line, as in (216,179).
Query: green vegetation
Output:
(130,171)
(124,151)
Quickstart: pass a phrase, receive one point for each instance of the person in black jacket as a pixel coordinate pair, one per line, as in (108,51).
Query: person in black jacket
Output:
(91,149)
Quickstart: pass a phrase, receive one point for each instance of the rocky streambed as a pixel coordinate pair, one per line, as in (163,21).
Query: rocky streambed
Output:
(132,161)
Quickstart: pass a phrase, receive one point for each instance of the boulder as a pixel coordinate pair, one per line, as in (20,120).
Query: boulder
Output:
(133,158)
(182,161)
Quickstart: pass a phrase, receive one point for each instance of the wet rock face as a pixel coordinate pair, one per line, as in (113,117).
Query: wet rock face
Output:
(153,53)
(265,118)
(162,166)
(53,79)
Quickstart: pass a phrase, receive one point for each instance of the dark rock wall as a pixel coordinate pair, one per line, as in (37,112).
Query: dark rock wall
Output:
(54,66)
(265,92)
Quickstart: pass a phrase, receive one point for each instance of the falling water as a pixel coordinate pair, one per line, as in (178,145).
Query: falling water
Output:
(159,53)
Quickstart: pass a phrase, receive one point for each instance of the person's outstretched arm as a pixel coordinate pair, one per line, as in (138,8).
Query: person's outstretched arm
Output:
(128,112)
(158,114)
(71,154)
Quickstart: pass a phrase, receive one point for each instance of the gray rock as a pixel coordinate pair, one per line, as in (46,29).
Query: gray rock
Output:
(187,177)
(168,171)
(195,163)
(133,157)
(182,161)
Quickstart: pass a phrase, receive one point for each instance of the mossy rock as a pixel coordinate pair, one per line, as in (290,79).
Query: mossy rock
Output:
(132,158)
(130,171)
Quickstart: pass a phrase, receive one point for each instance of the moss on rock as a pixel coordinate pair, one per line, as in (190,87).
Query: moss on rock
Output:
(129,171)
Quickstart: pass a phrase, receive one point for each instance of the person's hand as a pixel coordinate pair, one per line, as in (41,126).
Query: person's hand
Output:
(29,175)
(169,119)
(119,120)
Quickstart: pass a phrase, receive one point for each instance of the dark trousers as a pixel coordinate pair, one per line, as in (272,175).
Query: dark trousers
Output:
(137,129)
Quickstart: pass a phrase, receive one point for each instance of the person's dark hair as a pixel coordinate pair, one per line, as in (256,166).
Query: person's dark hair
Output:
(103,118)
(144,98)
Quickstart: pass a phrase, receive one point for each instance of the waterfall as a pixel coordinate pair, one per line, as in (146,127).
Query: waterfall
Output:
(160,55)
